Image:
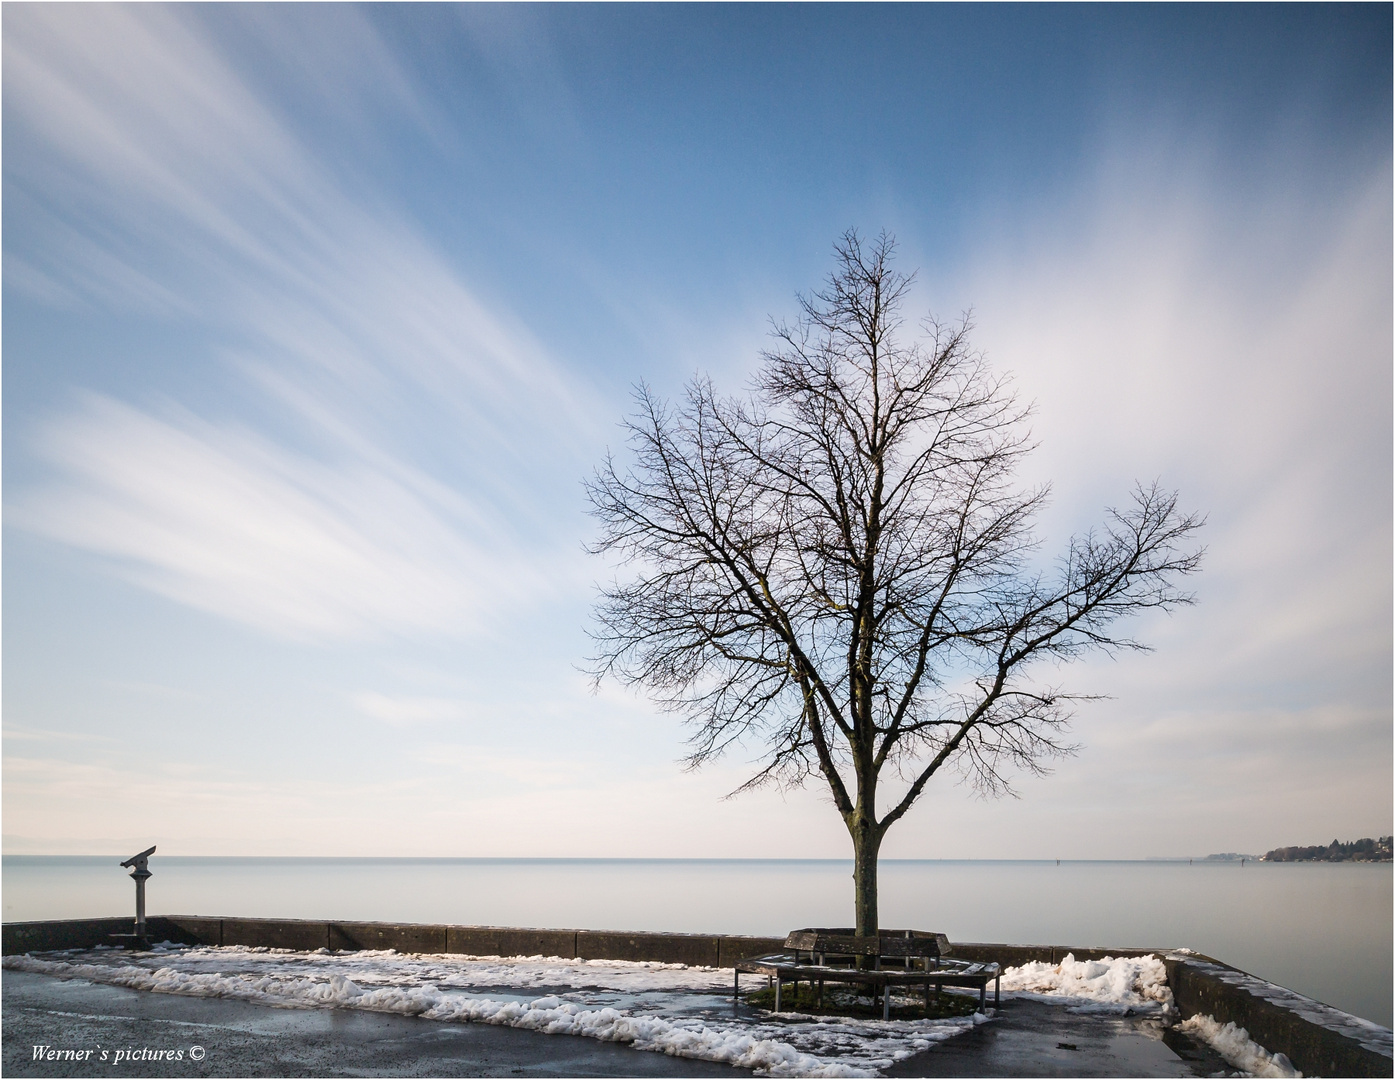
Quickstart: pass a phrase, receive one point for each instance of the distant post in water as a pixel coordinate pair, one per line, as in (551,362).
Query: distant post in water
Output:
(141,875)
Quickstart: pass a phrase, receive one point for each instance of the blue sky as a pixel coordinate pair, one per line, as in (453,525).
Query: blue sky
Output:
(316,317)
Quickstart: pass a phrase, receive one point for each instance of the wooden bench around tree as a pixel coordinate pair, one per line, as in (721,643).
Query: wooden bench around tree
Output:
(899,958)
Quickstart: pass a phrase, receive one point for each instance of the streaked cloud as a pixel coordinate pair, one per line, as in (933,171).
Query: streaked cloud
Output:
(1242,353)
(220,519)
(362,350)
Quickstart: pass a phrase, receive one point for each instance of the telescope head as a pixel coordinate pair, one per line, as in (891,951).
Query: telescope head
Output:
(138,861)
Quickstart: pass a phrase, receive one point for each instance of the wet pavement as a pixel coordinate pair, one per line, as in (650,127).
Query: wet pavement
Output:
(1033,1038)
(241,1039)
(236,1038)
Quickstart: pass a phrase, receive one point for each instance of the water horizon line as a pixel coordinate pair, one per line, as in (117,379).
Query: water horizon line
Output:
(673,860)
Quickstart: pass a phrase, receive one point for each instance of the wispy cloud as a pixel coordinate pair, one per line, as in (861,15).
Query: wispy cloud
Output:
(221,519)
(1242,353)
(365,349)
(1240,349)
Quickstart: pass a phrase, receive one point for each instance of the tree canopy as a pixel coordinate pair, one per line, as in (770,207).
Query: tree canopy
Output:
(840,566)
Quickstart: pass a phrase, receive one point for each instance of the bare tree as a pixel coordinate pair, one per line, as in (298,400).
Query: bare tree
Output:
(839,567)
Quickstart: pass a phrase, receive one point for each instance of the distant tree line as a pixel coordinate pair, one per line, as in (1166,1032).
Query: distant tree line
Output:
(1365,850)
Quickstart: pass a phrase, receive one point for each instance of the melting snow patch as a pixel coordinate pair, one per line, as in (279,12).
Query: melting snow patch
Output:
(1123,985)
(1235,1045)
(664,1008)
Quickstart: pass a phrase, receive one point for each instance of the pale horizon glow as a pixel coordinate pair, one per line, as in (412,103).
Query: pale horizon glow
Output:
(318,318)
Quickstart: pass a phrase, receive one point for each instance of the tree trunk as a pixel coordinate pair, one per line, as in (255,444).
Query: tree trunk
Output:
(866,844)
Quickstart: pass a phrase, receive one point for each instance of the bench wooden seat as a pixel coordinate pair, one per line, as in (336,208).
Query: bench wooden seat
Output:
(844,949)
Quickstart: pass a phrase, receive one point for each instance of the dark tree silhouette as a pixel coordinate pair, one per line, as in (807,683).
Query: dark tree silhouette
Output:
(839,566)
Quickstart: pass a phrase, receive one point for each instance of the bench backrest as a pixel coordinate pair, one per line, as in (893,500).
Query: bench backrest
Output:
(889,943)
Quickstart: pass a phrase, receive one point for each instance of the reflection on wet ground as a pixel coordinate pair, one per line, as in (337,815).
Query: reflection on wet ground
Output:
(1032,1038)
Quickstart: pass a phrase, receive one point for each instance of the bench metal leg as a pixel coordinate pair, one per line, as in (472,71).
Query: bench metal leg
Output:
(886,1002)
(777,993)
(997,1002)
(982,995)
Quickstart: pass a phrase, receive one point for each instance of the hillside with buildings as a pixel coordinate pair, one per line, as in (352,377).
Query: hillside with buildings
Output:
(1365,850)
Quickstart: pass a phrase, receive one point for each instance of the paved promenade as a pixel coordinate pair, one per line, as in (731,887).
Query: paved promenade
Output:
(240,1039)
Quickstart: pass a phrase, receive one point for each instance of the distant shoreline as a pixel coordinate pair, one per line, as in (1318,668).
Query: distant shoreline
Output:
(1366,849)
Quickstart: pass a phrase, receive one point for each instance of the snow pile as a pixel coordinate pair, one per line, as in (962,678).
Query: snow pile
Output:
(1134,984)
(448,971)
(436,988)
(1235,1045)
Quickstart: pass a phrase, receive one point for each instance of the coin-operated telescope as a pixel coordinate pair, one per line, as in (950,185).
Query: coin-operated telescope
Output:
(141,875)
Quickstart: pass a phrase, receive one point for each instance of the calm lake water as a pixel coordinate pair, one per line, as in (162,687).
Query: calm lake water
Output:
(1322,929)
